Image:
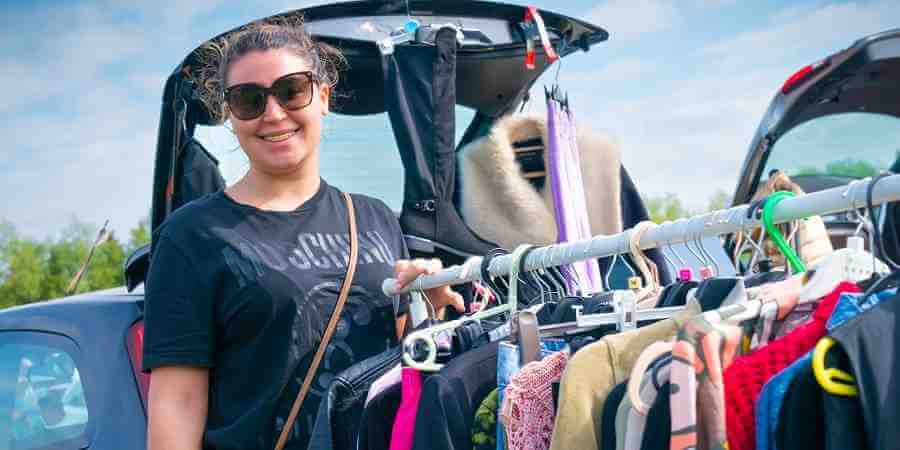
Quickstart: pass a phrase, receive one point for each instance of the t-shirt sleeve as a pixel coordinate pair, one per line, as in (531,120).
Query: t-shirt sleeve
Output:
(178,311)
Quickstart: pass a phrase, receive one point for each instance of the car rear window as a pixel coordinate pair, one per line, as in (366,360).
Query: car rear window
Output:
(42,401)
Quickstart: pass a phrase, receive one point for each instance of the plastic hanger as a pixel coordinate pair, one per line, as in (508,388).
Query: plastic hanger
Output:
(833,381)
(852,263)
(746,242)
(524,323)
(878,242)
(426,336)
(644,361)
(612,266)
(768,222)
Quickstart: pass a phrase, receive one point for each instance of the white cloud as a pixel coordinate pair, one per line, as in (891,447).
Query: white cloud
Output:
(98,69)
(616,71)
(803,31)
(628,19)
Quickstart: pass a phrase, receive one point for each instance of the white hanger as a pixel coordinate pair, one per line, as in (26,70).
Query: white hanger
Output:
(852,263)
(426,336)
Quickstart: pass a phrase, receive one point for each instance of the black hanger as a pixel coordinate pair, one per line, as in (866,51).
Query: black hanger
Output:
(486,275)
(879,242)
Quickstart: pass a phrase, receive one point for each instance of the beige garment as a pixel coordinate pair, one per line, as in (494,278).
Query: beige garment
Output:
(593,372)
(502,206)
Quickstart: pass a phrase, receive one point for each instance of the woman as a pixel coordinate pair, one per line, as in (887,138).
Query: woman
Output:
(243,282)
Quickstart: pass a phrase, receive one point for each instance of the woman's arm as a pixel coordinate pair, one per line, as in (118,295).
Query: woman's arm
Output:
(177,408)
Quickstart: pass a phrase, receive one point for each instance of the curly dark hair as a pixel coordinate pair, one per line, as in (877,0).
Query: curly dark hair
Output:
(216,56)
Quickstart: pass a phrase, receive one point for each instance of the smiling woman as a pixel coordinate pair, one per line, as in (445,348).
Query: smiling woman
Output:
(248,285)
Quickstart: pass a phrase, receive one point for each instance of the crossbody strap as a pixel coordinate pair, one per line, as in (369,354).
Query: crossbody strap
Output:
(329,331)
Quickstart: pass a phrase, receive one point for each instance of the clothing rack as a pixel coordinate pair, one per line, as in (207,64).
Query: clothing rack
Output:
(715,223)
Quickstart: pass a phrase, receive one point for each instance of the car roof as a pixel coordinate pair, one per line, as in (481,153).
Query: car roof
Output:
(68,313)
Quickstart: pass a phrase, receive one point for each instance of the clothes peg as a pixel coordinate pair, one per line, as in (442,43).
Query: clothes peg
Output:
(685,274)
(625,305)
(635,283)
(533,26)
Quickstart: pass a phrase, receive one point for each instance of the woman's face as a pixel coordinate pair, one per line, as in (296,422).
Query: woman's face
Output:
(280,141)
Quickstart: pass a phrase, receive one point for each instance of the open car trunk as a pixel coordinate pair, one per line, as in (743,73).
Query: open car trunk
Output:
(832,123)
(862,78)
(481,66)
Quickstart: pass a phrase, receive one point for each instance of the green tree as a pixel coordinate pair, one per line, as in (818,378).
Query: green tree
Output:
(719,200)
(666,207)
(25,277)
(140,236)
(854,168)
(32,270)
(851,168)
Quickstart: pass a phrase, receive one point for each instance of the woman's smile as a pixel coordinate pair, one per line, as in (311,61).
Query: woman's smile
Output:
(279,136)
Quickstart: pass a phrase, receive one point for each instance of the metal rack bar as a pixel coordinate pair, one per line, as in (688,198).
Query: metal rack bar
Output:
(843,198)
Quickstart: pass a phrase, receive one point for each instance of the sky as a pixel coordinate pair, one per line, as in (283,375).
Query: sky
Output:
(680,87)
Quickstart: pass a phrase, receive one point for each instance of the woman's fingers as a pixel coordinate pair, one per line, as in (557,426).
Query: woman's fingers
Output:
(405,271)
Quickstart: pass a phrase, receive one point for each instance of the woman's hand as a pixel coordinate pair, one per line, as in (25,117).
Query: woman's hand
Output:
(406,271)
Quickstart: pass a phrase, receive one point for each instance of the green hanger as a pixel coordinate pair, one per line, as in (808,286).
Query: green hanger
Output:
(780,242)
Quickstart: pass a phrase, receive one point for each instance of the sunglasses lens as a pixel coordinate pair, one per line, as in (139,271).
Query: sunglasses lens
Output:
(293,92)
(247,102)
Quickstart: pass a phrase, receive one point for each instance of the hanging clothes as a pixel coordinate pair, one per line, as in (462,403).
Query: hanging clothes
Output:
(745,378)
(484,427)
(527,411)
(594,371)
(866,339)
(770,400)
(500,204)
(509,363)
(701,351)
(411,388)
(450,398)
(569,204)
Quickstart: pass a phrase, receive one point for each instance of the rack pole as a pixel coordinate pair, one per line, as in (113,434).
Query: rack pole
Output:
(715,223)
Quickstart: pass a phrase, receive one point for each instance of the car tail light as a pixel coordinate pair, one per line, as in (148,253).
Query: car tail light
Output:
(802,75)
(136,352)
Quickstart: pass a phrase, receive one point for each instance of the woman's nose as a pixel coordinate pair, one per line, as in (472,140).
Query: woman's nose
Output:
(274,112)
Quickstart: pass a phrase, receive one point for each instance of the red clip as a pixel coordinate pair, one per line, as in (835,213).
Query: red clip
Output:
(531,15)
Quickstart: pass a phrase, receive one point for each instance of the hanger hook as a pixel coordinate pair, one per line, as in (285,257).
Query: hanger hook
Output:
(662,248)
(680,259)
(689,236)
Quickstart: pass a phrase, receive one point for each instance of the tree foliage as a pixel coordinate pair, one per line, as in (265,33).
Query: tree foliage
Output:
(34,270)
(670,207)
(853,168)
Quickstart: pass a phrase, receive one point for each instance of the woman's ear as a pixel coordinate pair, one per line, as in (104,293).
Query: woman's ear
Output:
(324,96)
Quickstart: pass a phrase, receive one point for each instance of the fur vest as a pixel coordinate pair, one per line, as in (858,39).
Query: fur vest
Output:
(500,205)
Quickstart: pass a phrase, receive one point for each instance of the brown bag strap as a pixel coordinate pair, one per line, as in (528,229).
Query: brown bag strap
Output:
(329,331)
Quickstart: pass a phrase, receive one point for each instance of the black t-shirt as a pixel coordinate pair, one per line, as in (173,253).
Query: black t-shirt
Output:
(248,293)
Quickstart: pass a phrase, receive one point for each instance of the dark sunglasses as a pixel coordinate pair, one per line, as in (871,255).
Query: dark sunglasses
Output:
(293,91)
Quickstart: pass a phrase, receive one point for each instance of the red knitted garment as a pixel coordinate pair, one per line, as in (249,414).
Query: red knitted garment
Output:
(747,375)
